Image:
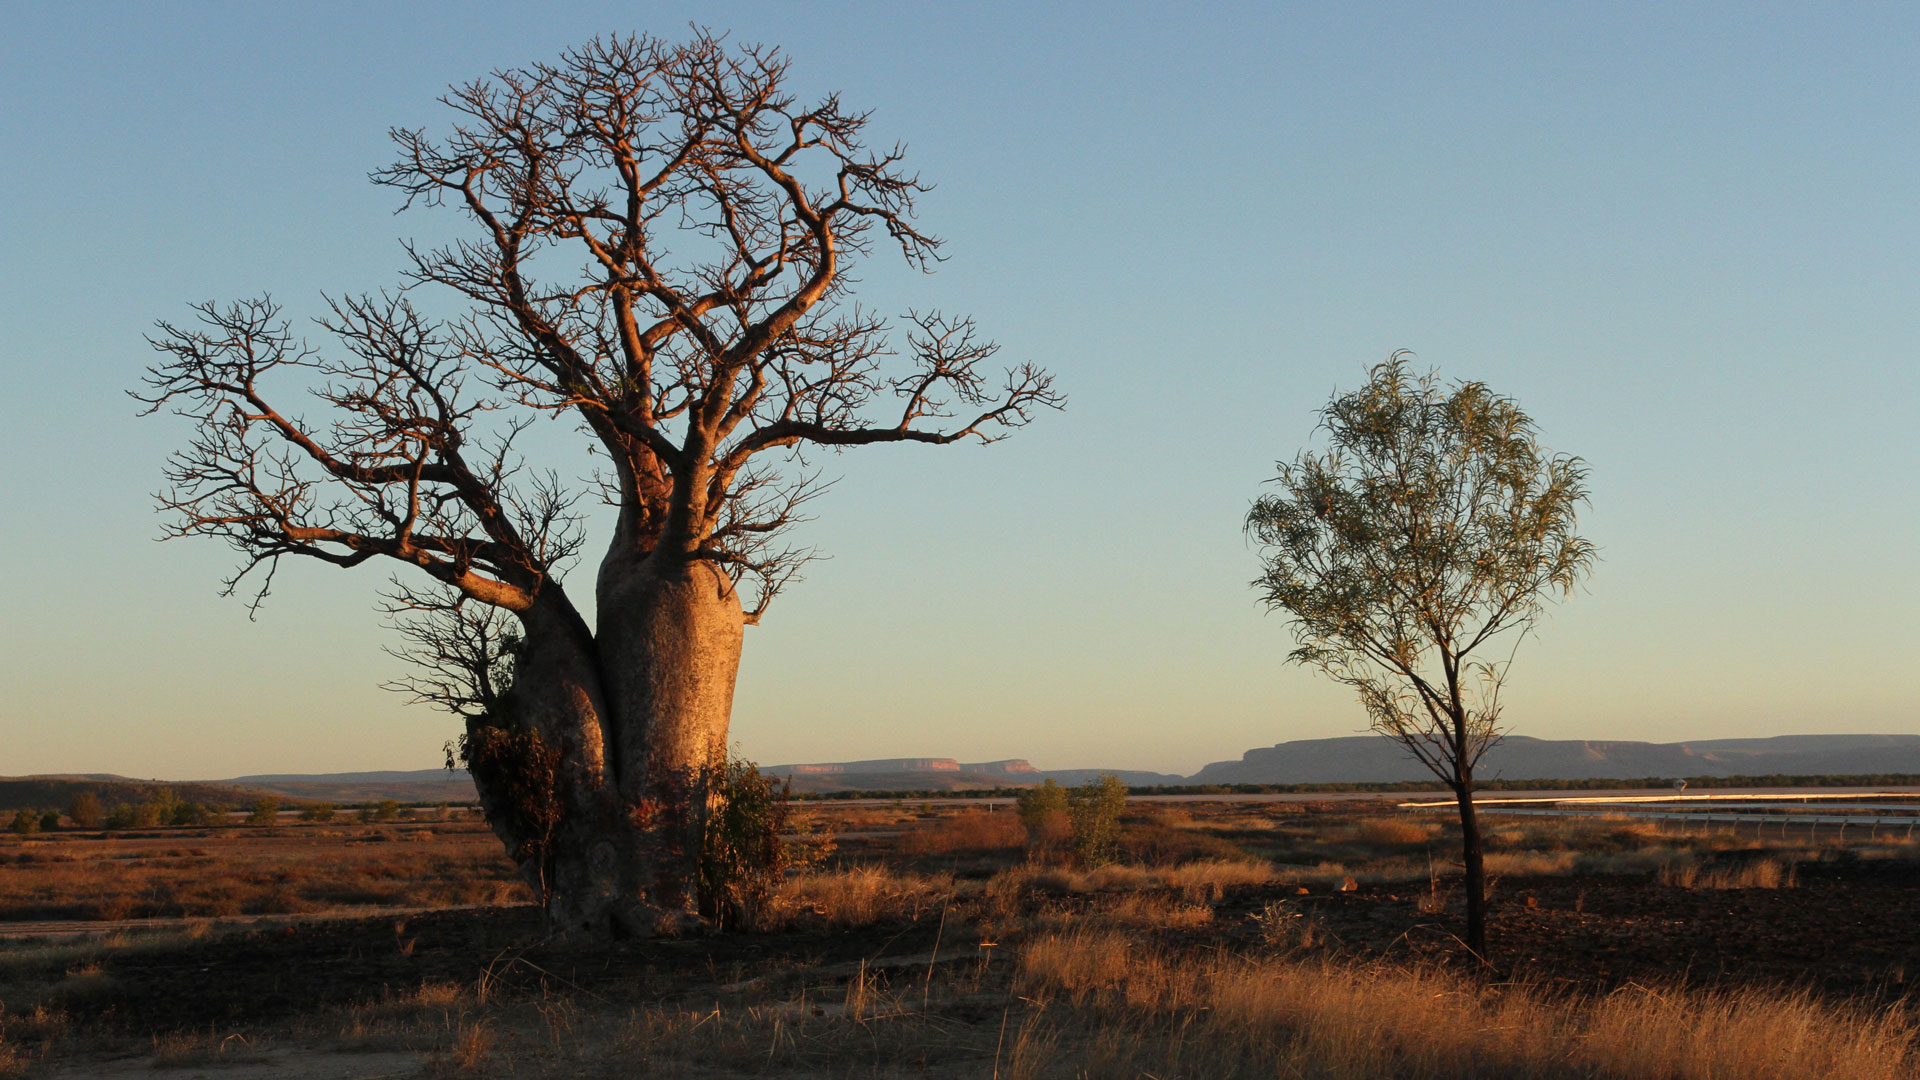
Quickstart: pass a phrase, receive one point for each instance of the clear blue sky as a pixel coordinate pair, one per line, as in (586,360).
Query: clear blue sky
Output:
(1685,237)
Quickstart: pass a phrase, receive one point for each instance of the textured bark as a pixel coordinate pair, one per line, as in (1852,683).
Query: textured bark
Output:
(634,725)
(670,639)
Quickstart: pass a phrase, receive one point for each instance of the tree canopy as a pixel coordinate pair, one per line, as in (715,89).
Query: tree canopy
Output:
(1418,549)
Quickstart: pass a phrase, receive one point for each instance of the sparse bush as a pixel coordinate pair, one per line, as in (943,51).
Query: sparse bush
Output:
(265,811)
(1038,804)
(1043,810)
(317,812)
(1095,808)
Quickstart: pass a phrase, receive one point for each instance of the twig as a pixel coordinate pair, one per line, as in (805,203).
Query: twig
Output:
(926,989)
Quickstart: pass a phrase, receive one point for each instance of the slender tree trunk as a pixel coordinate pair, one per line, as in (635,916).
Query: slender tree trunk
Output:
(1475,865)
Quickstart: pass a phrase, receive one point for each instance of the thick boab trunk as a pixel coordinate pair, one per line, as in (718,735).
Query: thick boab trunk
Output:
(597,775)
(669,650)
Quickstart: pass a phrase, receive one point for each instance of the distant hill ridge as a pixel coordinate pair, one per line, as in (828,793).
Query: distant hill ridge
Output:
(1349,759)
(1378,759)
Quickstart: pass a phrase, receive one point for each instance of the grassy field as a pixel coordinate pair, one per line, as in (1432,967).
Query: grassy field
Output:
(1308,940)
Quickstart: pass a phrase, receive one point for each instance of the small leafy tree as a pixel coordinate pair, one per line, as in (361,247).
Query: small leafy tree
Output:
(85,812)
(49,820)
(26,822)
(1095,808)
(1414,556)
(158,809)
(317,812)
(265,811)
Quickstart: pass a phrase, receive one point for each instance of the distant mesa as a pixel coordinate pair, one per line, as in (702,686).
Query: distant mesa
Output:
(1377,759)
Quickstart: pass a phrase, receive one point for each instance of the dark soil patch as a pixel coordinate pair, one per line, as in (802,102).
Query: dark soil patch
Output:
(288,972)
(1846,931)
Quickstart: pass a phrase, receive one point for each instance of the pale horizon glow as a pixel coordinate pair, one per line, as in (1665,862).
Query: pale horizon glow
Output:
(1686,243)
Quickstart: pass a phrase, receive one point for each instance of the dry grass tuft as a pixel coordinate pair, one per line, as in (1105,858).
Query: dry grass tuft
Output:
(1754,874)
(1152,911)
(188,1049)
(1392,832)
(471,1052)
(855,896)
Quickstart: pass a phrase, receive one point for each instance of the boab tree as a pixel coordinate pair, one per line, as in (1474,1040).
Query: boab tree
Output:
(661,241)
(1414,556)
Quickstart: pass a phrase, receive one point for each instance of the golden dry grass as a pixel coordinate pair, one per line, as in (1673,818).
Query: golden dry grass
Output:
(1753,874)
(1392,832)
(855,896)
(970,831)
(1229,1017)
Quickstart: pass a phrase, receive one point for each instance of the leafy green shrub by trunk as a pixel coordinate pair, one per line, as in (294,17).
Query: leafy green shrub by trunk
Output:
(744,852)
(1094,808)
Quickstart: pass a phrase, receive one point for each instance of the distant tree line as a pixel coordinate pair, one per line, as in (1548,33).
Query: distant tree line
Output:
(165,807)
